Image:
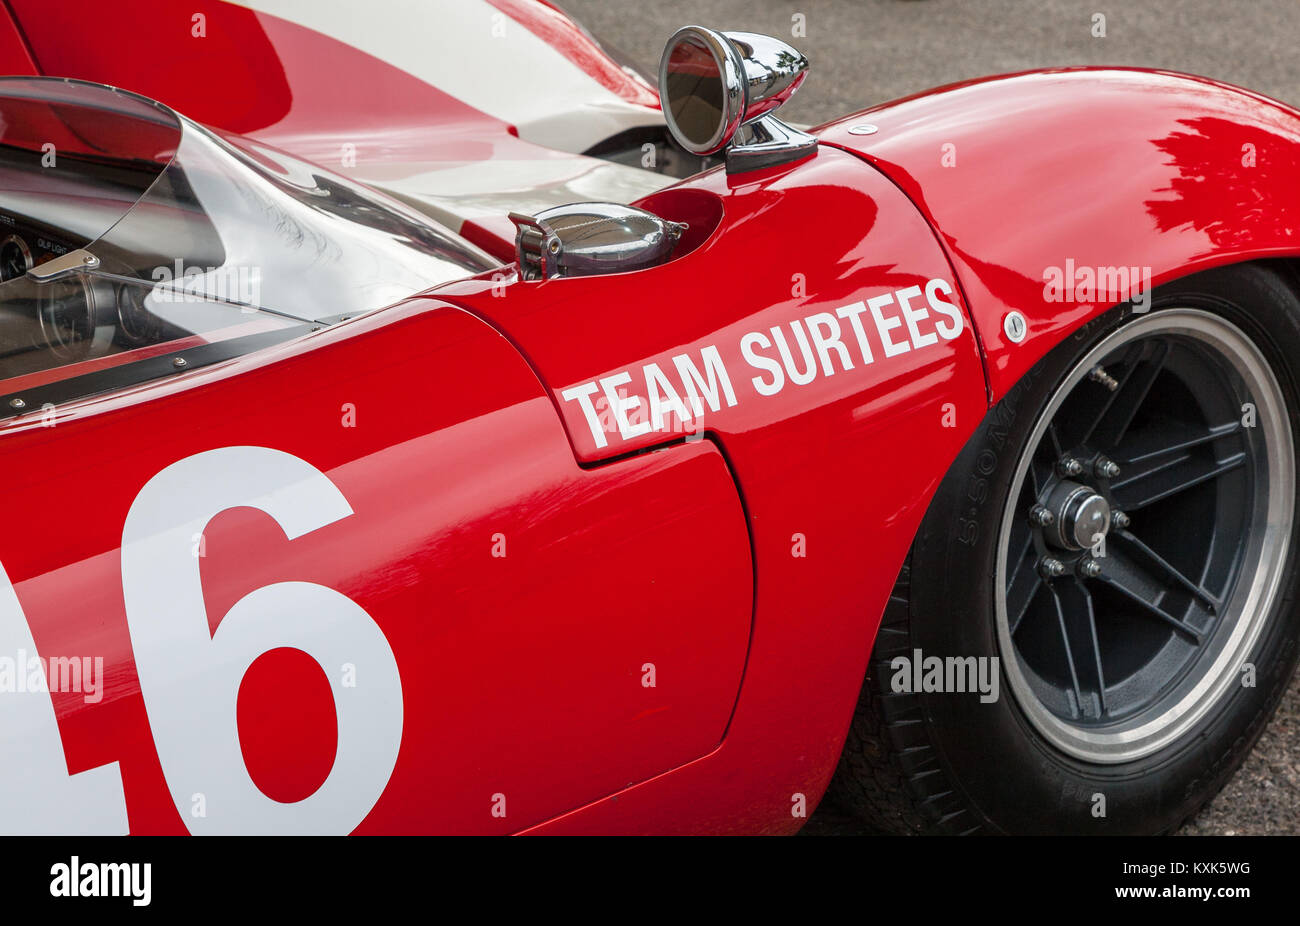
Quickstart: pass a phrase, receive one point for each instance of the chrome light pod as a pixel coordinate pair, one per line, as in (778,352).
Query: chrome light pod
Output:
(588,239)
(719,89)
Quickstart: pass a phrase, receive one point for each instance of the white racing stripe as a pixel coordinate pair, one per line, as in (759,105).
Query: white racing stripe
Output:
(474,52)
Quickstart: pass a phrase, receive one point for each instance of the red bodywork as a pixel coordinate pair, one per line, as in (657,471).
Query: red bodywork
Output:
(1106,168)
(666,632)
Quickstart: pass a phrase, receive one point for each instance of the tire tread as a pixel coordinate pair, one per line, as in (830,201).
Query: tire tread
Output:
(890,776)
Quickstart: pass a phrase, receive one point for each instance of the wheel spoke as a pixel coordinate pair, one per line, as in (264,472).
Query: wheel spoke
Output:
(1159,482)
(1054,437)
(1172,438)
(1126,577)
(1078,625)
(1039,472)
(1024,585)
(1211,601)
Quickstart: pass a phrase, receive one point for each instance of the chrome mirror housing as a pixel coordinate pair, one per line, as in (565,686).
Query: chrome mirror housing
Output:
(719,89)
(773,71)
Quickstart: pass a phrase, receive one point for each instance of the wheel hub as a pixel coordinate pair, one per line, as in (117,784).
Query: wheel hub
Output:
(1080,516)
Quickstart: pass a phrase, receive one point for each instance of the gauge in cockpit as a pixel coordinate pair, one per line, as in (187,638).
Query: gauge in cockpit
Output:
(15,258)
(66,311)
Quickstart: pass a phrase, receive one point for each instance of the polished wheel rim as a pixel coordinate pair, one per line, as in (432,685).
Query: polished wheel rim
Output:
(1144,536)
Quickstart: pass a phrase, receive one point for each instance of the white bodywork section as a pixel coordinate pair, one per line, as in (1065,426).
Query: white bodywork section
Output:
(472,51)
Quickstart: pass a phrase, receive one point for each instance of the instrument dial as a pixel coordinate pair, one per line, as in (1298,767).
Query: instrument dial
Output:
(15,258)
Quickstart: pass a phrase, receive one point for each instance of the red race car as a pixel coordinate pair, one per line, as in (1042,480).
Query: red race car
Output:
(416,420)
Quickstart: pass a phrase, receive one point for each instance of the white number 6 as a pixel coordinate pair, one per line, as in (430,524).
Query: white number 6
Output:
(190,679)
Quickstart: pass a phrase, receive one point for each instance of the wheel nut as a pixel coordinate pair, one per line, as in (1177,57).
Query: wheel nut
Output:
(1089,568)
(1120,519)
(1069,466)
(1106,469)
(1041,516)
(1050,568)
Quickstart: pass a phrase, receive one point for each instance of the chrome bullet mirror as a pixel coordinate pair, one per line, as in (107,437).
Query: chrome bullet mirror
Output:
(702,89)
(718,90)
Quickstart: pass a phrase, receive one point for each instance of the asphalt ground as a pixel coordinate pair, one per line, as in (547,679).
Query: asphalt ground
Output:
(865,52)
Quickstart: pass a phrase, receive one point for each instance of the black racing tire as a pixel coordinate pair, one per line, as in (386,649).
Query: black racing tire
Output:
(948,763)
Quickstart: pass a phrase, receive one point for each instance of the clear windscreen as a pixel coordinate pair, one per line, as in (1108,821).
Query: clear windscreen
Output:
(182,246)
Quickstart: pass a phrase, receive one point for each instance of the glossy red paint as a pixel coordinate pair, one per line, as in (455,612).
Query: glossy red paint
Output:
(522,673)
(744,564)
(835,474)
(15,56)
(1099,168)
(494,235)
(36,123)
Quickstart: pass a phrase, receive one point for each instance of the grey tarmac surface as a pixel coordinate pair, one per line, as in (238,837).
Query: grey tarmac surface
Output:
(867,51)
